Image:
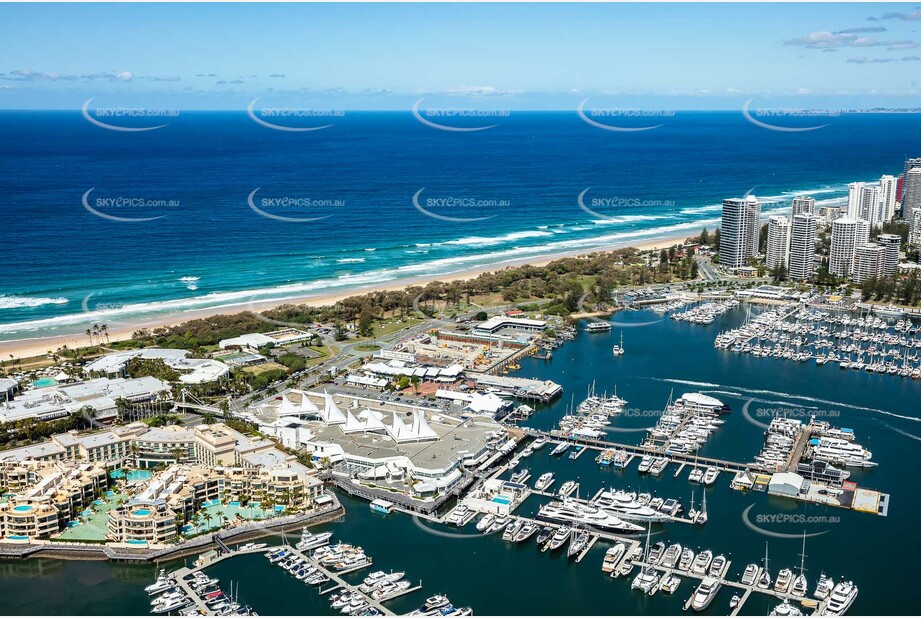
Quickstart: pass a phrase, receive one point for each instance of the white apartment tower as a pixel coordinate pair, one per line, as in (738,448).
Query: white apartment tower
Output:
(868,262)
(803,204)
(888,198)
(778,242)
(854,191)
(739,231)
(802,247)
(890,244)
(846,235)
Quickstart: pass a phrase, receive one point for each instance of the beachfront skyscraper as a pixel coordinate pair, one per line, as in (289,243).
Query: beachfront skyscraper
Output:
(739,231)
(910,186)
(911,194)
(863,202)
(854,191)
(803,204)
(802,247)
(890,244)
(778,242)
(888,197)
(846,235)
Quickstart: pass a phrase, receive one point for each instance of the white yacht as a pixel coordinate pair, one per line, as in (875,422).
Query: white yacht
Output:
(612,557)
(626,506)
(544,481)
(704,594)
(571,512)
(567,488)
(702,562)
(824,587)
(485,522)
(786,609)
(710,475)
(645,580)
(841,598)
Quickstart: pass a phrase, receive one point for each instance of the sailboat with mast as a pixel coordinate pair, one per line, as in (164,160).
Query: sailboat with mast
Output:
(801,584)
(619,349)
(764,581)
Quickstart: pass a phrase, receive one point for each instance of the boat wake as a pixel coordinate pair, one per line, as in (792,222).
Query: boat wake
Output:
(754,391)
(447,535)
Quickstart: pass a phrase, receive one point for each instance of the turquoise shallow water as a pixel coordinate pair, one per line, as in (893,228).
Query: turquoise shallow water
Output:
(496,578)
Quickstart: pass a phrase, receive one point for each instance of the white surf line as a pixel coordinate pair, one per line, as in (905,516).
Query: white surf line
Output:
(747,391)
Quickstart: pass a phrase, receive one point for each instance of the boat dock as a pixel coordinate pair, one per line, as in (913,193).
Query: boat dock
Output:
(555,436)
(745,590)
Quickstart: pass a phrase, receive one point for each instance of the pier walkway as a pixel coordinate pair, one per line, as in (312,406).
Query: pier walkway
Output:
(557,436)
(745,590)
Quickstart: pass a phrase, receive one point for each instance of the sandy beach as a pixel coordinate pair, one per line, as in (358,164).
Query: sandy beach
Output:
(30,347)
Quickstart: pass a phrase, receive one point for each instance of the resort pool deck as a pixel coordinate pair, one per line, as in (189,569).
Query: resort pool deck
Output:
(215,515)
(92,524)
(131,475)
(42,382)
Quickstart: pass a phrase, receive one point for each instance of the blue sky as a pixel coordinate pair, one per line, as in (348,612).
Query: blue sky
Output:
(496,56)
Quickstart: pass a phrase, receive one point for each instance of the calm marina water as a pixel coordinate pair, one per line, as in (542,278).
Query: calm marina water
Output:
(879,554)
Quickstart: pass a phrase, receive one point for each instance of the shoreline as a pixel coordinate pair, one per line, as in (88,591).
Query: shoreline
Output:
(38,346)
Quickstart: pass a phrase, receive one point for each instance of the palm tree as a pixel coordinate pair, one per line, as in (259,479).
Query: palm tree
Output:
(105,330)
(89,334)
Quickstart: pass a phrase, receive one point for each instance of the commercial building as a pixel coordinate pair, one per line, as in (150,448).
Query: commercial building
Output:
(286,336)
(777,252)
(191,370)
(500,322)
(846,235)
(739,231)
(99,395)
(802,247)
(386,444)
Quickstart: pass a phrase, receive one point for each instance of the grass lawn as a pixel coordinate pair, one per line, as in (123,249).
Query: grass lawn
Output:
(257,369)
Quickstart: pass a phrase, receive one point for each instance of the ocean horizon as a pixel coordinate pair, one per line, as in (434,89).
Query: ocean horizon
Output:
(213,209)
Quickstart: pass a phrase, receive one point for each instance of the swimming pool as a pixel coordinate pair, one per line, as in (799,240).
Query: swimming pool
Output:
(42,382)
(142,512)
(22,508)
(502,500)
(136,542)
(131,475)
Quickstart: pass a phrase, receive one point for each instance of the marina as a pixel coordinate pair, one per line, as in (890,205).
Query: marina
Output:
(730,449)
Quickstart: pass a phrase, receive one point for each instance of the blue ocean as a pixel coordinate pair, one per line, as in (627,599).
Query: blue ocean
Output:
(214,210)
